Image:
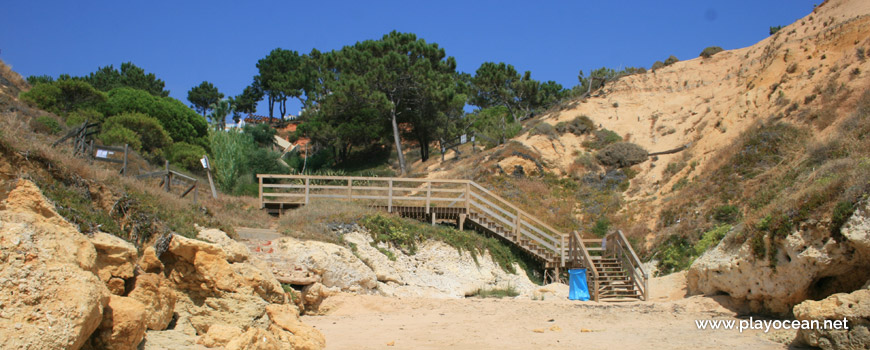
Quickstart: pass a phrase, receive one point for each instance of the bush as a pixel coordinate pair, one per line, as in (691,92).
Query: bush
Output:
(671,60)
(710,51)
(726,213)
(182,123)
(152,135)
(773,30)
(842,212)
(78,117)
(263,161)
(657,65)
(186,155)
(544,129)
(602,138)
(263,134)
(45,125)
(577,126)
(622,154)
(230,152)
(602,225)
(710,239)
(121,135)
(64,96)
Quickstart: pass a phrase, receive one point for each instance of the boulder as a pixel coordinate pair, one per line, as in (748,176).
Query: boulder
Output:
(236,252)
(50,295)
(853,307)
(155,292)
(811,264)
(254,339)
(197,312)
(289,329)
(337,266)
(149,262)
(219,335)
(123,325)
(116,259)
(313,295)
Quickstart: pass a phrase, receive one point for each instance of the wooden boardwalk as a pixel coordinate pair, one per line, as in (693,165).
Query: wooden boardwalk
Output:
(614,270)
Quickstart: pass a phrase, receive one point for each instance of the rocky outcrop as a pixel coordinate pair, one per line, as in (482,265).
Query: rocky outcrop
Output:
(123,325)
(254,339)
(853,307)
(219,335)
(435,270)
(337,266)
(155,293)
(235,251)
(289,329)
(50,296)
(116,259)
(811,264)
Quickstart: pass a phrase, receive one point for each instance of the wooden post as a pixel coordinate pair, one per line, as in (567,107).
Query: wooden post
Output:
(166,184)
(124,169)
(195,190)
(468,197)
(262,205)
(349,189)
(517,224)
(307,189)
(210,180)
(390,197)
(428,196)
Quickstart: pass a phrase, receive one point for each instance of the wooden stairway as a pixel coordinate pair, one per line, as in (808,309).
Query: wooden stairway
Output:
(614,271)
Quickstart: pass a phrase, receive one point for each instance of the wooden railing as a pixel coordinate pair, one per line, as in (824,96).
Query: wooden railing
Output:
(425,193)
(619,248)
(577,252)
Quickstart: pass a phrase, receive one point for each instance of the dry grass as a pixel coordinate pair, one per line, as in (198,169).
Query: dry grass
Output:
(311,222)
(10,81)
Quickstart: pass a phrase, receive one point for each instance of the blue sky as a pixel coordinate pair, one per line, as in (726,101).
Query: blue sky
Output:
(186,42)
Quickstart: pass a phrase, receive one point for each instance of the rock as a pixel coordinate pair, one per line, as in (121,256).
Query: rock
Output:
(149,262)
(197,312)
(853,307)
(299,276)
(236,252)
(810,265)
(116,259)
(289,329)
(219,335)
(435,270)
(254,339)
(123,325)
(552,291)
(313,295)
(201,266)
(336,265)
(155,292)
(50,295)
(174,339)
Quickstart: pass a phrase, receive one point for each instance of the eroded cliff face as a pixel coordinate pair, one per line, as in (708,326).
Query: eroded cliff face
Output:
(812,264)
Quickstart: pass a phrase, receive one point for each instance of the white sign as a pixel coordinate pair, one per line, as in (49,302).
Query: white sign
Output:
(204,162)
(462,139)
(101,153)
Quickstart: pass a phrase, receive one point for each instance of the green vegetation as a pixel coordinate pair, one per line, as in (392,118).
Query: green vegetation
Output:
(577,126)
(774,30)
(140,131)
(506,292)
(544,129)
(64,96)
(622,155)
(182,123)
(45,125)
(710,51)
(203,97)
(602,138)
(677,253)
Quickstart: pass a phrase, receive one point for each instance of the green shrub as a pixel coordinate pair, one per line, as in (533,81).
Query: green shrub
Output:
(710,239)
(186,155)
(622,154)
(64,96)
(671,60)
(544,129)
(726,213)
(842,212)
(773,30)
(151,133)
(181,122)
(230,151)
(121,135)
(80,116)
(45,124)
(507,292)
(602,138)
(676,254)
(657,65)
(710,51)
(263,134)
(764,147)
(263,161)
(577,126)
(602,225)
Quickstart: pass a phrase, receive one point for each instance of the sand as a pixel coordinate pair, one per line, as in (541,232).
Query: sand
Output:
(666,322)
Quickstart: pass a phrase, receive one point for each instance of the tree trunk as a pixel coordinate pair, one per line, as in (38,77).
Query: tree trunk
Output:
(271,107)
(398,139)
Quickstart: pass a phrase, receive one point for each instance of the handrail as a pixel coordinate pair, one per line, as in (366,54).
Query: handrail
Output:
(634,262)
(587,260)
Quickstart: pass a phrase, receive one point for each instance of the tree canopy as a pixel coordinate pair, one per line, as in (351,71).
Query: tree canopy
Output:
(203,96)
(108,78)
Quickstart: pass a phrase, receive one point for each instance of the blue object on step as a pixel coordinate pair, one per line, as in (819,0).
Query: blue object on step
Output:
(577,281)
